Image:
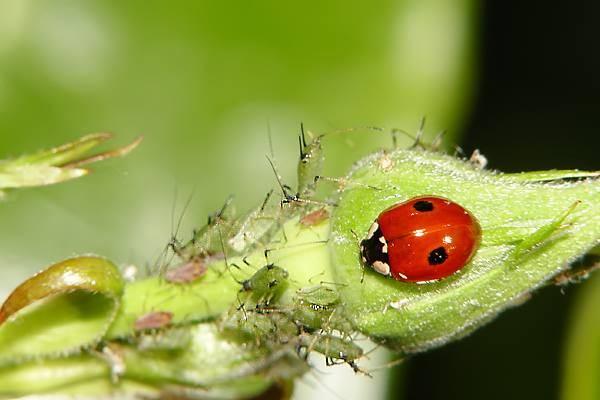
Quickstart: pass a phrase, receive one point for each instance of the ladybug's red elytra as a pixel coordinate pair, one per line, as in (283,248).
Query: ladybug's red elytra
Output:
(423,239)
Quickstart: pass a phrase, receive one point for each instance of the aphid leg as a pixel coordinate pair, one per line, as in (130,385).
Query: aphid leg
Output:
(304,187)
(174,244)
(227,264)
(358,241)
(459,152)
(538,237)
(113,355)
(241,305)
(310,280)
(419,135)
(437,141)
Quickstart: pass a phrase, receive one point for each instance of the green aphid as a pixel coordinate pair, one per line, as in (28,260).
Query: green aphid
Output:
(256,226)
(335,349)
(266,284)
(319,295)
(261,326)
(310,164)
(310,316)
(313,307)
(206,241)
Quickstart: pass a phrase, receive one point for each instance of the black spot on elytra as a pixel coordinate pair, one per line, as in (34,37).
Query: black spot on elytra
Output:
(423,206)
(437,256)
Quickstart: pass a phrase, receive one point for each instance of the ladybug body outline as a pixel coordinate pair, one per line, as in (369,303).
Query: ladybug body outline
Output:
(423,239)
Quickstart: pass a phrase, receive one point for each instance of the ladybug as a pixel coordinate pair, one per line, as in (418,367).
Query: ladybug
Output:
(423,239)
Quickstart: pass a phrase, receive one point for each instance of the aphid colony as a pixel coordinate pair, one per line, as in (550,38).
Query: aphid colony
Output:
(307,321)
(423,239)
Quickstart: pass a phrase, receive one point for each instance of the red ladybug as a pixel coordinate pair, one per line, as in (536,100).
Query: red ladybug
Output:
(422,239)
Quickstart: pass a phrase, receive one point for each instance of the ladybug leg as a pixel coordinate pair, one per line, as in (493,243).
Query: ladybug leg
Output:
(542,234)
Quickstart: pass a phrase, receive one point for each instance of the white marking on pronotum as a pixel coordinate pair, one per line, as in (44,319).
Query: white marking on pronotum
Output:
(402,275)
(384,249)
(381,267)
(372,230)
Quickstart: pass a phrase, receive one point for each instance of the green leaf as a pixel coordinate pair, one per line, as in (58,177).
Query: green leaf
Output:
(511,210)
(61,309)
(57,164)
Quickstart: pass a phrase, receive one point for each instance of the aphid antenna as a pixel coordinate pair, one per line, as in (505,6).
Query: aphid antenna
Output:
(217,216)
(284,188)
(183,212)
(267,251)
(333,283)
(266,200)
(388,365)
(227,264)
(270,139)
(343,182)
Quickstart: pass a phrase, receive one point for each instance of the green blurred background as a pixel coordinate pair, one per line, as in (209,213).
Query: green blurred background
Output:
(203,82)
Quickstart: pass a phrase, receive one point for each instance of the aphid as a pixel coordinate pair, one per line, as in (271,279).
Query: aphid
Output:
(205,241)
(310,166)
(335,349)
(319,294)
(478,160)
(153,320)
(256,225)
(187,272)
(422,239)
(315,217)
(314,309)
(310,163)
(266,283)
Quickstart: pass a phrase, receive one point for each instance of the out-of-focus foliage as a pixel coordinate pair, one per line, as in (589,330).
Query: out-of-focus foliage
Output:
(581,367)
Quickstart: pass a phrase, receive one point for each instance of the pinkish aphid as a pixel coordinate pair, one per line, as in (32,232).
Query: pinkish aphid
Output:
(153,320)
(315,217)
(187,272)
